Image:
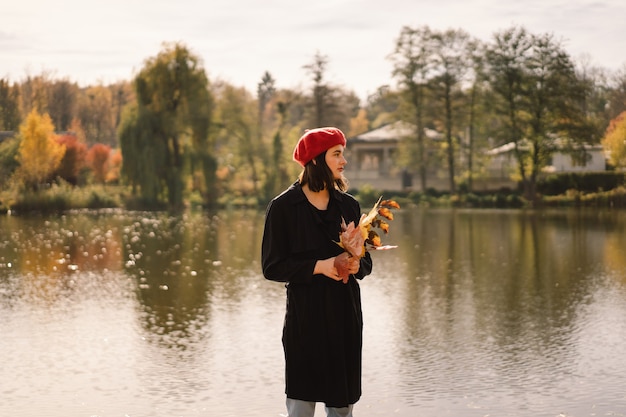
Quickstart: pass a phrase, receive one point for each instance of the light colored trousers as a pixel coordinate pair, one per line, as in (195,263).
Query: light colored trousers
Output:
(299,408)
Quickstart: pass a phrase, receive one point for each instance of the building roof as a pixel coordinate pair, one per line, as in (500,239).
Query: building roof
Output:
(393,132)
(507,147)
(524,146)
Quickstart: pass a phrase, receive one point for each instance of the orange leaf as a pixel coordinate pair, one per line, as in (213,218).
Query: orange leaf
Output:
(373,239)
(390,203)
(386,213)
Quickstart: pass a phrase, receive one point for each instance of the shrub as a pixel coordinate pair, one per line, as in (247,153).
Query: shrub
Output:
(586,182)
(367,195)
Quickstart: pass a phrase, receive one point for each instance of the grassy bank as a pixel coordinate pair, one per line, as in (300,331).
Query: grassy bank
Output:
(58,198)
(62,197)
(615,198)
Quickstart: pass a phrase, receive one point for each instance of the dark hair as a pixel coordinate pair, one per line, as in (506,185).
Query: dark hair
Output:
(319,176)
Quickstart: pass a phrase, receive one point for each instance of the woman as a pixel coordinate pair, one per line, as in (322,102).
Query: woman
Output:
(322,334)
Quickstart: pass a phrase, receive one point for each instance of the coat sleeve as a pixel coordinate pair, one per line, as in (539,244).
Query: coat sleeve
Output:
(366,266)
(277,261)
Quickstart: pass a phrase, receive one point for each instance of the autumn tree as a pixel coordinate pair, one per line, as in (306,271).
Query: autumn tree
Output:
(281,111)
(237,114)
(382,107)
(9,150)
(73,159)
(96,111)
(114,166)
(9,105)
(62,101)
(39,154)
(358,124)
(34,91)
(614,141)
(172,114)
(97,159)
(76,129)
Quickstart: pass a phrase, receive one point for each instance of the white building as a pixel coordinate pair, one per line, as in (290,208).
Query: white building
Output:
(591,158)
(373,158)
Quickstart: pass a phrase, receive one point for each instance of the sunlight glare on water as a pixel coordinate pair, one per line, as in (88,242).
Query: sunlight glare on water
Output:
(476,313)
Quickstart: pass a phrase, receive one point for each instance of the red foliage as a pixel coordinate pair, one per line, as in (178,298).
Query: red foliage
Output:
(97,158)
(73,159)
(115,167)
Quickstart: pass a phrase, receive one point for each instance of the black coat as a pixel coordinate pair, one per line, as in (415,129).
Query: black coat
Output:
(322,334)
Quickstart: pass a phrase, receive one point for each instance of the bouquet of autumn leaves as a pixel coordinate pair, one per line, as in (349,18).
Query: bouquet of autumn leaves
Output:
(357,239)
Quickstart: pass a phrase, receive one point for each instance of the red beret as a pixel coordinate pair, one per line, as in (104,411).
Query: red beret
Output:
(315,142)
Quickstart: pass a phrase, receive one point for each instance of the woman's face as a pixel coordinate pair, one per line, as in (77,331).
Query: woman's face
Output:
(336,161)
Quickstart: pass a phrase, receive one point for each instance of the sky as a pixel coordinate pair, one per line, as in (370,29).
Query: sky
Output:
(95,41)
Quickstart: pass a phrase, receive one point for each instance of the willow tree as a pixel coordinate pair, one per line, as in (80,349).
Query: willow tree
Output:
(172,114)
(236,110)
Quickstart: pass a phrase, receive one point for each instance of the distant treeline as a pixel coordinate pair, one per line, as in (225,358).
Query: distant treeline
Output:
(172,135)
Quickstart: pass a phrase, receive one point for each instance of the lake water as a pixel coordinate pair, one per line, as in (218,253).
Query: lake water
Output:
(476,313)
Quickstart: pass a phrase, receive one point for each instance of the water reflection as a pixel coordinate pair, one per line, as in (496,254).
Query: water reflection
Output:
(498,306)
(478,312)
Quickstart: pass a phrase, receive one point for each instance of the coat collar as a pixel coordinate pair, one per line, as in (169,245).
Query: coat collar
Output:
(297,194)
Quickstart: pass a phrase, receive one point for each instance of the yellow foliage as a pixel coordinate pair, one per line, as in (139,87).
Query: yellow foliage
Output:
(614,140)
(77,128)
(358,124)
(39,154)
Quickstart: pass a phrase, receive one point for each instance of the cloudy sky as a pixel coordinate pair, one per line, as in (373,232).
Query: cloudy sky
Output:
(92,41)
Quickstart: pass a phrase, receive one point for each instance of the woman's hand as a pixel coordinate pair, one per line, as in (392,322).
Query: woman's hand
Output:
(339,267)
(347,264)
(327,267)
